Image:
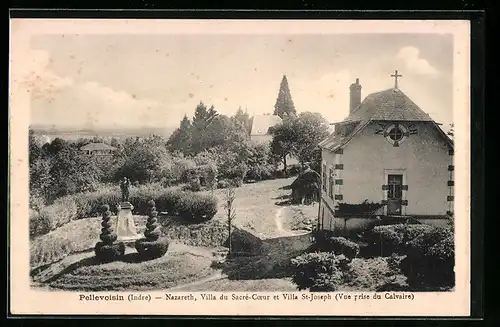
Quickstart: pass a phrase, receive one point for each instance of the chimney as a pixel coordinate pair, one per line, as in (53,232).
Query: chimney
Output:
(355,92)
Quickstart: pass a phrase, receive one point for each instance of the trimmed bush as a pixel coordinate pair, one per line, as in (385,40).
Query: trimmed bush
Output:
(106,251)
(200,208)
(387,239)
(152,246)
(318,272)
(430,259)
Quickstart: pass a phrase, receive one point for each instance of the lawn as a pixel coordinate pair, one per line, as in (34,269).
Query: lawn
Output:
(182,264)
(262,207)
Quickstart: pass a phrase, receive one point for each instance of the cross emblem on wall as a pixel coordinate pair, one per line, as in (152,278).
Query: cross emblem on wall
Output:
(396,75)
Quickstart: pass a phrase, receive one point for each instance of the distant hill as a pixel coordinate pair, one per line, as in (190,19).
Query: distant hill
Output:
(76,133)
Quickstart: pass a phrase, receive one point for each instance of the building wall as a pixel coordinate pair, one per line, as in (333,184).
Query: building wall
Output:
(423,159)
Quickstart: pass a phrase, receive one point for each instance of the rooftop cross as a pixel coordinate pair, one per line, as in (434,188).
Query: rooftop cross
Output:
(396,75)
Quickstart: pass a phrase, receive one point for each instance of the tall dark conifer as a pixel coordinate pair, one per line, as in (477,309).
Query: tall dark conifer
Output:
(284,104)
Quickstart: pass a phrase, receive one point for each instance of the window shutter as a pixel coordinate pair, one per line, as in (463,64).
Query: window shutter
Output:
(451,183)
(339,182)
(385,187)
(451,152)
(450,197)
(404,187)
(451,167)
(404,202)
(338,197)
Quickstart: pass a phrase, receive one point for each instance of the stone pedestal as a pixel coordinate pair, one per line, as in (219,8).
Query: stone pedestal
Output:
(125,226)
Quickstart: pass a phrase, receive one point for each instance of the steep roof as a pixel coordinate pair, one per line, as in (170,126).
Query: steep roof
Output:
(96,146)
(260,124)
(391,104)
(387,105)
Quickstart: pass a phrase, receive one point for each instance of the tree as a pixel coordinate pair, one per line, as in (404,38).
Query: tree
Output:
(312,128)
(181,140)
(285,140)
(202,119)
(228,205)
(241,117)
(284,104)
(148,161)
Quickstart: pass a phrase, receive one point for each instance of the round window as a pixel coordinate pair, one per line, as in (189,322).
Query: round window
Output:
(395,134)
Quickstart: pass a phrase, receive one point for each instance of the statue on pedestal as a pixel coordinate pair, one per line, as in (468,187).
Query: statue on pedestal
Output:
(125,187)
(125,227)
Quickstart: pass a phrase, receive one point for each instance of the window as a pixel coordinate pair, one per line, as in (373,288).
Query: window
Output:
(395,134)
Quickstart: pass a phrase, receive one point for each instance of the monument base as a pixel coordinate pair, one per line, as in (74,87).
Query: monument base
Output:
(125,227)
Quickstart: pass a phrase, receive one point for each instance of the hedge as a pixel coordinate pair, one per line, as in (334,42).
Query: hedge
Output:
(388,239)
(194,207)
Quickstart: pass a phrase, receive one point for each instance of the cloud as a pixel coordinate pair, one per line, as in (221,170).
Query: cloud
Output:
(36,77)
(328,95)
(411,58)
(59,100)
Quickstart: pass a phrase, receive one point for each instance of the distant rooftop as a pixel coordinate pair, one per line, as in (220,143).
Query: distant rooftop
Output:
(97,146)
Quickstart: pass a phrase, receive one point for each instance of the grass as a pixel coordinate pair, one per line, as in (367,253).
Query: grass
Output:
(176,267)
(257,205)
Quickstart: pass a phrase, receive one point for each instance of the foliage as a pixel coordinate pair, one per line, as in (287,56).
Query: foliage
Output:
(361,209)
(389,239)
(51,217)
(299,136)
(319,271)
(152,246)
(374,274)
(147,161)
(284,106)
(105,250)
(306,187)
(430,259)
(181,140)
(313,129)
(192,206)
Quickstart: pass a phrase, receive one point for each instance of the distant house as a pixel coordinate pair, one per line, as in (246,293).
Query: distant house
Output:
(259,127)
(99,149)
(259,131)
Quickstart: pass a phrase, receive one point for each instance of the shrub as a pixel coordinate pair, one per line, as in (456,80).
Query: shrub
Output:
(344,246)
(260,172)
(325,242)
(320,271)
(387,239)
(430,259)
(152,246)
(224,183)
(51,217)
(106,251)
(199,208)
(294,170)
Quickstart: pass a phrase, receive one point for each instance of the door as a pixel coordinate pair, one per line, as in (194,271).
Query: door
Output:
(394,194)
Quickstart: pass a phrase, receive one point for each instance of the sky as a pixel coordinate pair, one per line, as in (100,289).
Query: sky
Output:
(154,80)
